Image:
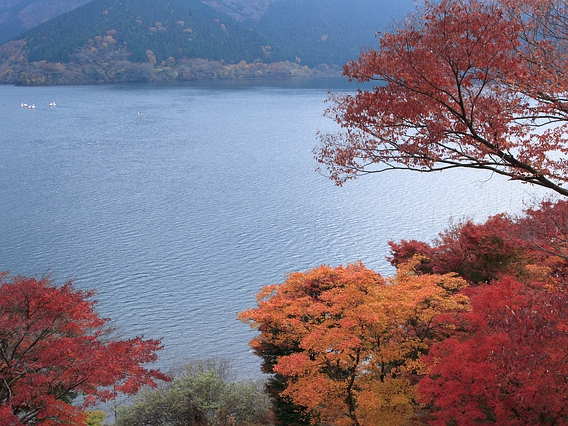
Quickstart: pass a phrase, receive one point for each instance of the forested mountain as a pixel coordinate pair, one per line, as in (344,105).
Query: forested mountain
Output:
(327,31)
(168,28)
(156,40)
(18,16)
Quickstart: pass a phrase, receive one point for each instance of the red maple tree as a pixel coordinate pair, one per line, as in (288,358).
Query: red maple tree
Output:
(54,347)
(466,83)
(534,242)
(476,252)
(511,367)
(544,230)
(507,363)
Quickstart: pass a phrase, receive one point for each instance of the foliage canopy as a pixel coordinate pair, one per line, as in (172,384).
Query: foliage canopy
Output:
(464,83)
(350,344)
(54,347)
(470,330)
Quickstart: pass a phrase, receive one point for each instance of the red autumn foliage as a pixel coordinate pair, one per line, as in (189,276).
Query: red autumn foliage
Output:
(405,251)
(476,252)
(511,367)
(54,347)
(465,83)
(503,245)
(544,231)
(507,363)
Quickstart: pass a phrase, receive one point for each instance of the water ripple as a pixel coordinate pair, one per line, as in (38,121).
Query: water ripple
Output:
(180,215)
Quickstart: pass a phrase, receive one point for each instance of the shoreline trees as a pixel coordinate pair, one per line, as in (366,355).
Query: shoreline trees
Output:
(345,344)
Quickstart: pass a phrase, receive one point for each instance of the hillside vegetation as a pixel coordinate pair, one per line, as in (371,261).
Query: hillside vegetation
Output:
(241,10)
(169,28)
(167,40)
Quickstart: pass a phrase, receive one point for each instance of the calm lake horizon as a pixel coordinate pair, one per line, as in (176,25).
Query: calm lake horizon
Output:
(178,203)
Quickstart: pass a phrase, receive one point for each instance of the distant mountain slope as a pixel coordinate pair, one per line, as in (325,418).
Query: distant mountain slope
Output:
(168,28)
(328,31)
(176,40)
(241,10)
(318,31)
(18,16)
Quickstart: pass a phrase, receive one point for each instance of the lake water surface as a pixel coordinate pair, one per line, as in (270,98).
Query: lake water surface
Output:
(178,203)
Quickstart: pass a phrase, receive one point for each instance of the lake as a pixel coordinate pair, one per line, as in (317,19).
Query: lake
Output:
(178,203)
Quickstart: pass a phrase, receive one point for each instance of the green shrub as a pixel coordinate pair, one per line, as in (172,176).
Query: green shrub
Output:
(203,393)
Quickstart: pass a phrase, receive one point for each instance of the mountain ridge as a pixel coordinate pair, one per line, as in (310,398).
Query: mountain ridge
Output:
(19,16)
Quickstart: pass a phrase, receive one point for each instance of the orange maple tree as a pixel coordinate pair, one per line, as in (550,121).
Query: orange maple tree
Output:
(464,83)
(350,341)
(54,347)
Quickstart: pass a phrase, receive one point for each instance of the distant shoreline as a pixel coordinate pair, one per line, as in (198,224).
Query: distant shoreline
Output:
(100,69)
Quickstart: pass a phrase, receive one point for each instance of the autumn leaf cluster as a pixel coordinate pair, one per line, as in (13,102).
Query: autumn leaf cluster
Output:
(471,329)
(351,341)
(461,83)
(54,348)
(506,362)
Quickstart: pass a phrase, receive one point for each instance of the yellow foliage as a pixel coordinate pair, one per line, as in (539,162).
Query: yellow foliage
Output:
(151,56)
(355,340)
(95,418)
(108,39)
(388,403)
